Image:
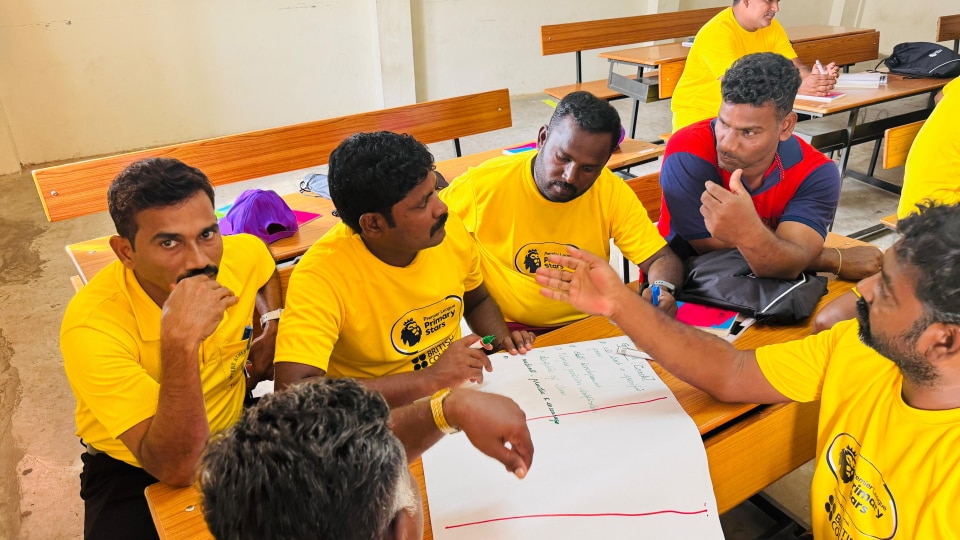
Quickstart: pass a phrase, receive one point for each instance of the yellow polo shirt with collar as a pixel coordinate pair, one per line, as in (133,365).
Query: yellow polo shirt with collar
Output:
(110,341)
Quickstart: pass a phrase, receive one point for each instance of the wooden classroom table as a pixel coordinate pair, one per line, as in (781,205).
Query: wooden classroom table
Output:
(811,32)
(897,87)
(748,446)
(90,256)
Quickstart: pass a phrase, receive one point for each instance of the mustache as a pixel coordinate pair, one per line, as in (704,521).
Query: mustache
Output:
(563,185)
(441,221)
(208,270)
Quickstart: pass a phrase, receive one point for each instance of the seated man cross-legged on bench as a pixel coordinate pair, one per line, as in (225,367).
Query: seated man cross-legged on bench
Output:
(744,180)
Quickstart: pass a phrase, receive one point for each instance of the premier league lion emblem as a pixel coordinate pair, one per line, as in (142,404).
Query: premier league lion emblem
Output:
(532,261)
(411,333)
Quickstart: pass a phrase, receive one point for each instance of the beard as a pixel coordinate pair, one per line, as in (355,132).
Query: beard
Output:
(901,350)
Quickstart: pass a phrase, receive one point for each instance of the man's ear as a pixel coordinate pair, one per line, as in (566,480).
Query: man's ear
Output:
(541,137)
(787,125)
(123,249)
(406,526)
(372,225)
(940,343)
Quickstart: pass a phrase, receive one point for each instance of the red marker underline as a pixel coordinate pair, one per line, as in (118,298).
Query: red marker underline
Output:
(644,514)
(597,409)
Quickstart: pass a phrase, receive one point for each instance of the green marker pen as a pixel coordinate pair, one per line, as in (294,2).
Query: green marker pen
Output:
(482,342)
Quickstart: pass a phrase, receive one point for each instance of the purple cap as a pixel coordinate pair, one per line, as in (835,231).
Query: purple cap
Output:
(260,213)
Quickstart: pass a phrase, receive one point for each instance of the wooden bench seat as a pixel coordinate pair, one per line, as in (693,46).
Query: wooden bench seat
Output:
(948,27)
(597,34)
(897,142)
(597,88)
(844,50)
(80,188)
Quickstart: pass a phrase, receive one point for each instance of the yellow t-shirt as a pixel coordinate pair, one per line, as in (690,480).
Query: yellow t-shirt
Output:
(715,48)
(883,469)
(516,228)
(933,164)
(353,315)
(110,341)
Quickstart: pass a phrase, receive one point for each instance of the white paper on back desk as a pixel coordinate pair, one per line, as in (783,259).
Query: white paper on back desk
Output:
(615,456)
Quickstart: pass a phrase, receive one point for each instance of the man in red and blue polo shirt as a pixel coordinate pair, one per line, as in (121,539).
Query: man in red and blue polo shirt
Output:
(744,180)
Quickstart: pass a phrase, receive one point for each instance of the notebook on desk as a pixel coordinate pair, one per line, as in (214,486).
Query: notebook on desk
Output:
(824,99)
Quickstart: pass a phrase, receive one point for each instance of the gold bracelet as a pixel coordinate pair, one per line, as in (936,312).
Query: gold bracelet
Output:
(840,264)
(436,407)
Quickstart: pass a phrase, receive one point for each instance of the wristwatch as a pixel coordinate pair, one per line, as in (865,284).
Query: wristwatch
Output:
(667,286)
(436,407)
(270,316)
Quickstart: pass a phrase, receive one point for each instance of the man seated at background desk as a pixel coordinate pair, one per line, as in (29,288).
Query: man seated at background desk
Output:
(380,296)
(155,345)
(521,208)
(888,439)
(932,173)
(744,180)
(320,461)
(746,27)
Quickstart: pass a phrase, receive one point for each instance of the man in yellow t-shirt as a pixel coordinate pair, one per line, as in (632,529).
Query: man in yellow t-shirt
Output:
(932,174)
(746,27)
(522,208)
(156,344)
(933,164)
(380,296)
(888,438)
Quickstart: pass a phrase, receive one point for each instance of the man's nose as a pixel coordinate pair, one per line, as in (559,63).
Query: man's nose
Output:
(197,257)
(440,207)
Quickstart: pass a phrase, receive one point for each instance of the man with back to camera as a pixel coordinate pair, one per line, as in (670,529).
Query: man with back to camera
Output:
(521,208)
(319,460)
(380,296)
(744,180)
(155,345)
(745,28)
(888,383)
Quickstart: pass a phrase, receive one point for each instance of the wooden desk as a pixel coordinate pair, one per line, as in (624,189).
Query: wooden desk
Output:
(90,256)
(810,32)
(897,87)
(748,446)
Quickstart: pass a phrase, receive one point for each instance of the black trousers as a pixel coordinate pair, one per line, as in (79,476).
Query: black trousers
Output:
(114,504)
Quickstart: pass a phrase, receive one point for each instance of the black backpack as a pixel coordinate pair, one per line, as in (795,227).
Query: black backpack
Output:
(920,59)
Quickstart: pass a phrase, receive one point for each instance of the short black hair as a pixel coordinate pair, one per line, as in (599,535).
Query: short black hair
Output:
(316,460)
(761,78)
(591,114)
(930,244)
(152,183)
(371,172)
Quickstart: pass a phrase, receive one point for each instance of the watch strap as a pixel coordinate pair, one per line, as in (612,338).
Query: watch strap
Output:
(270,316)
(670,287)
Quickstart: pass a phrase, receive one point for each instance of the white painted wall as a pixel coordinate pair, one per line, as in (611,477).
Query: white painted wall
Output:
(900,21)
(464,46)
(96,77)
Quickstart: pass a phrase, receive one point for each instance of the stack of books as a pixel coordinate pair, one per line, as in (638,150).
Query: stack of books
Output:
(867,79)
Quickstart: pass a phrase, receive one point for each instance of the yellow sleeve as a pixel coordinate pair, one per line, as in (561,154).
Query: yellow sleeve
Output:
(632,231)
(797,368)
(721,51)
(312,318)
(782,44)
(461,200)
(103,369)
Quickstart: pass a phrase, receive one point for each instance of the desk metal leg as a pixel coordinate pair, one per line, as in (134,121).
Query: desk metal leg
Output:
(636,108)
(845,153)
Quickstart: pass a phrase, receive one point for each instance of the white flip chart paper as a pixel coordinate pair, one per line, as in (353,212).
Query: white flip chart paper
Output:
(615,455)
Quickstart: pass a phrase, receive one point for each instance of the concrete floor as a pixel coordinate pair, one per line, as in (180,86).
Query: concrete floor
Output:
(39,453)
